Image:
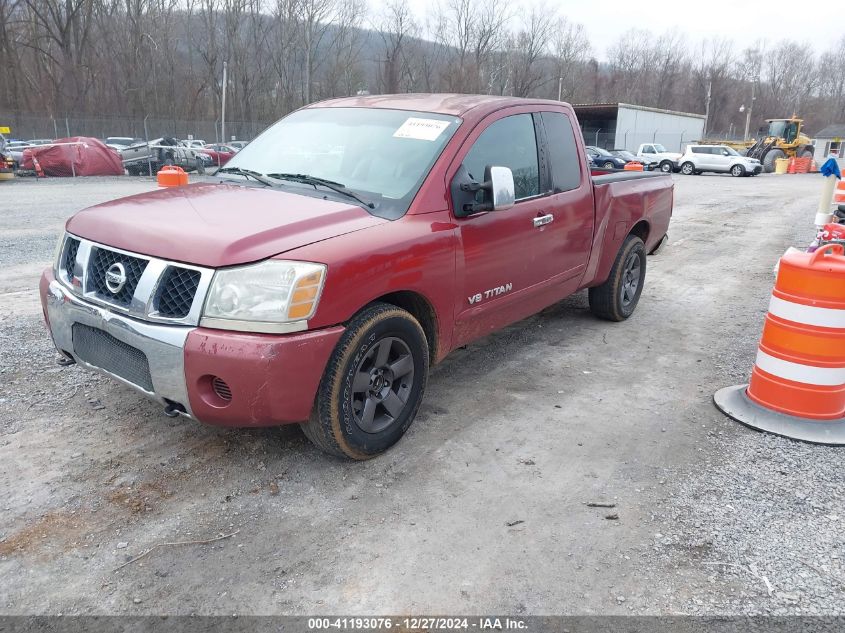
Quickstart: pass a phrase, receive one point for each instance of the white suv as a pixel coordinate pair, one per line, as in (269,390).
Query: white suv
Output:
(717,158)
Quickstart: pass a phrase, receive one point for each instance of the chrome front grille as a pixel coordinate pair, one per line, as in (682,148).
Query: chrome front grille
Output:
(176,292)
(133,284)
(99,263)
(69,256)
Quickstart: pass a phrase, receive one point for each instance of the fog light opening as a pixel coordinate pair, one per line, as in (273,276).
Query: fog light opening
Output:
(221,389)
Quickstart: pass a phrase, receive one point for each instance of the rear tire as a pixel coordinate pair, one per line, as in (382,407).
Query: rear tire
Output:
(373,384)
(617,298)
(688,169)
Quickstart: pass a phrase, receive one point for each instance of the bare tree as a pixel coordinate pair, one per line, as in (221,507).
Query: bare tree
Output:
(531,46)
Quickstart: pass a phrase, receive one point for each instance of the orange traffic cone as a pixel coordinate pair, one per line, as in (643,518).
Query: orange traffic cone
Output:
(839,194)
(797,386)
(39,173)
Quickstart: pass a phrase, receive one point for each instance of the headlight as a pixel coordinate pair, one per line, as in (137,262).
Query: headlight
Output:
(273,296)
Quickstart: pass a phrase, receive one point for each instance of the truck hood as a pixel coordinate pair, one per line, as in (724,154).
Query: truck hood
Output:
(210,224)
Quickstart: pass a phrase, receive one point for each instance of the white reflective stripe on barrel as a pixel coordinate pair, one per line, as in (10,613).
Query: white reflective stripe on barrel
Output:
(808,315)
(807,374)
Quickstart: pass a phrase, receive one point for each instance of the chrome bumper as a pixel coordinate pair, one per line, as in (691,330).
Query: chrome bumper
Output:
(163,345)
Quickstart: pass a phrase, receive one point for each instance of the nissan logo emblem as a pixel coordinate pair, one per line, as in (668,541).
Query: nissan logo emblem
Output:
(115,278)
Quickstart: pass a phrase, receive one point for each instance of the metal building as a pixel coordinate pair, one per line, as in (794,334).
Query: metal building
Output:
(626,126)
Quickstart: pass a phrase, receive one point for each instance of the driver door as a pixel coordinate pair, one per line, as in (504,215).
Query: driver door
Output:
(501,251)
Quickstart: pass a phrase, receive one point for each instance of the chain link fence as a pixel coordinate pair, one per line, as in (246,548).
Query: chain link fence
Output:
(67,158)
(26,126)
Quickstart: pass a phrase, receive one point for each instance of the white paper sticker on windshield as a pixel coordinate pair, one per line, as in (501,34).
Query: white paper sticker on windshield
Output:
(421,129)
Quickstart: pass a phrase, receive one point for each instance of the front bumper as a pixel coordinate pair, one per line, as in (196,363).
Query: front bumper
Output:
(273,379)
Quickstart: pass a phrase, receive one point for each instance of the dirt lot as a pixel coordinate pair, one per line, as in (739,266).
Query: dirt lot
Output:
(482,507)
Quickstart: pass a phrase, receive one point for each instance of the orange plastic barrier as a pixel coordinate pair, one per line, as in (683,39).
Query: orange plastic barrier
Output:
(797,386)
(171,176)
(633,166)
(802,165)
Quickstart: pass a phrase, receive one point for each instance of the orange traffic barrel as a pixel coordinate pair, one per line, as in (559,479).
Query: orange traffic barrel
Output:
(171,176)
(633,166)
(797,386)
(839,193)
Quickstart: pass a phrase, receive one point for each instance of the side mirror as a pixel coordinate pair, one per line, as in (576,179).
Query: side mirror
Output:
(501,188)
(498,191)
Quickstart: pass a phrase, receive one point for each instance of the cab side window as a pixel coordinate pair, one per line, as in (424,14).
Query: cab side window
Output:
(508,142)
(563,152)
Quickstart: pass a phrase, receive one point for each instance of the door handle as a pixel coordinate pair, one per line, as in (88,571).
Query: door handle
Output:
(543,220)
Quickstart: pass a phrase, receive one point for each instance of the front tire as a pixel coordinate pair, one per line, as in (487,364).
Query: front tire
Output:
(666,167)
(769,159)
(737,171)
(688,169)
(609,165)
(373,384)
(617,298)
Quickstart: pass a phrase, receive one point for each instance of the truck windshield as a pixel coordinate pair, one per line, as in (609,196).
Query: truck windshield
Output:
(381,155)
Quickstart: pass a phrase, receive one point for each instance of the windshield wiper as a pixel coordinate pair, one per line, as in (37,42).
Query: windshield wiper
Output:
(237,171)
(329,184)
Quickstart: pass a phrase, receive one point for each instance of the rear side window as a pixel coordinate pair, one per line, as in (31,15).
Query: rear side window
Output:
(700,150)
(509,142)
(563,152)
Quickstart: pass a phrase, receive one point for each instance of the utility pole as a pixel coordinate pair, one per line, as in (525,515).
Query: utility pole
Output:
(223,108)
(559,88)
(707,107)
(748,112)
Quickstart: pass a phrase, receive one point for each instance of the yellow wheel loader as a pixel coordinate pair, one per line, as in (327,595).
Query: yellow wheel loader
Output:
(782,139)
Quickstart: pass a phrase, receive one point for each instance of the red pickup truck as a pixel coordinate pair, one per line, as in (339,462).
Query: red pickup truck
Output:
(347,248)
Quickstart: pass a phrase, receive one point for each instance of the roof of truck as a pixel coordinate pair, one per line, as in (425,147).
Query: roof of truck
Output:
(449,104)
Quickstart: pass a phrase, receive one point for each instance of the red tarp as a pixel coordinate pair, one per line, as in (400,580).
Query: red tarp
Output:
(84,157)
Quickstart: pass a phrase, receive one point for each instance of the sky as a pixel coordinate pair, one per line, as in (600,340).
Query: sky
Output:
(743,21)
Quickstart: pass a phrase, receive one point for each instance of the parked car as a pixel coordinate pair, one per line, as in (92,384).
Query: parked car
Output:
(142,158)
(348,247)
(220,154)
(39,141)
(719,159)
(238,145)
(630,157)
(14,151)
(193,143)
(605,159)
(666,161)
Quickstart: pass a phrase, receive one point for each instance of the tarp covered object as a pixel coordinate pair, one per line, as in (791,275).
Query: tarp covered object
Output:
(78,155)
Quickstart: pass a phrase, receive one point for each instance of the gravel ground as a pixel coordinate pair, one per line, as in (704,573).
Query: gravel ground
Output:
(482,507)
